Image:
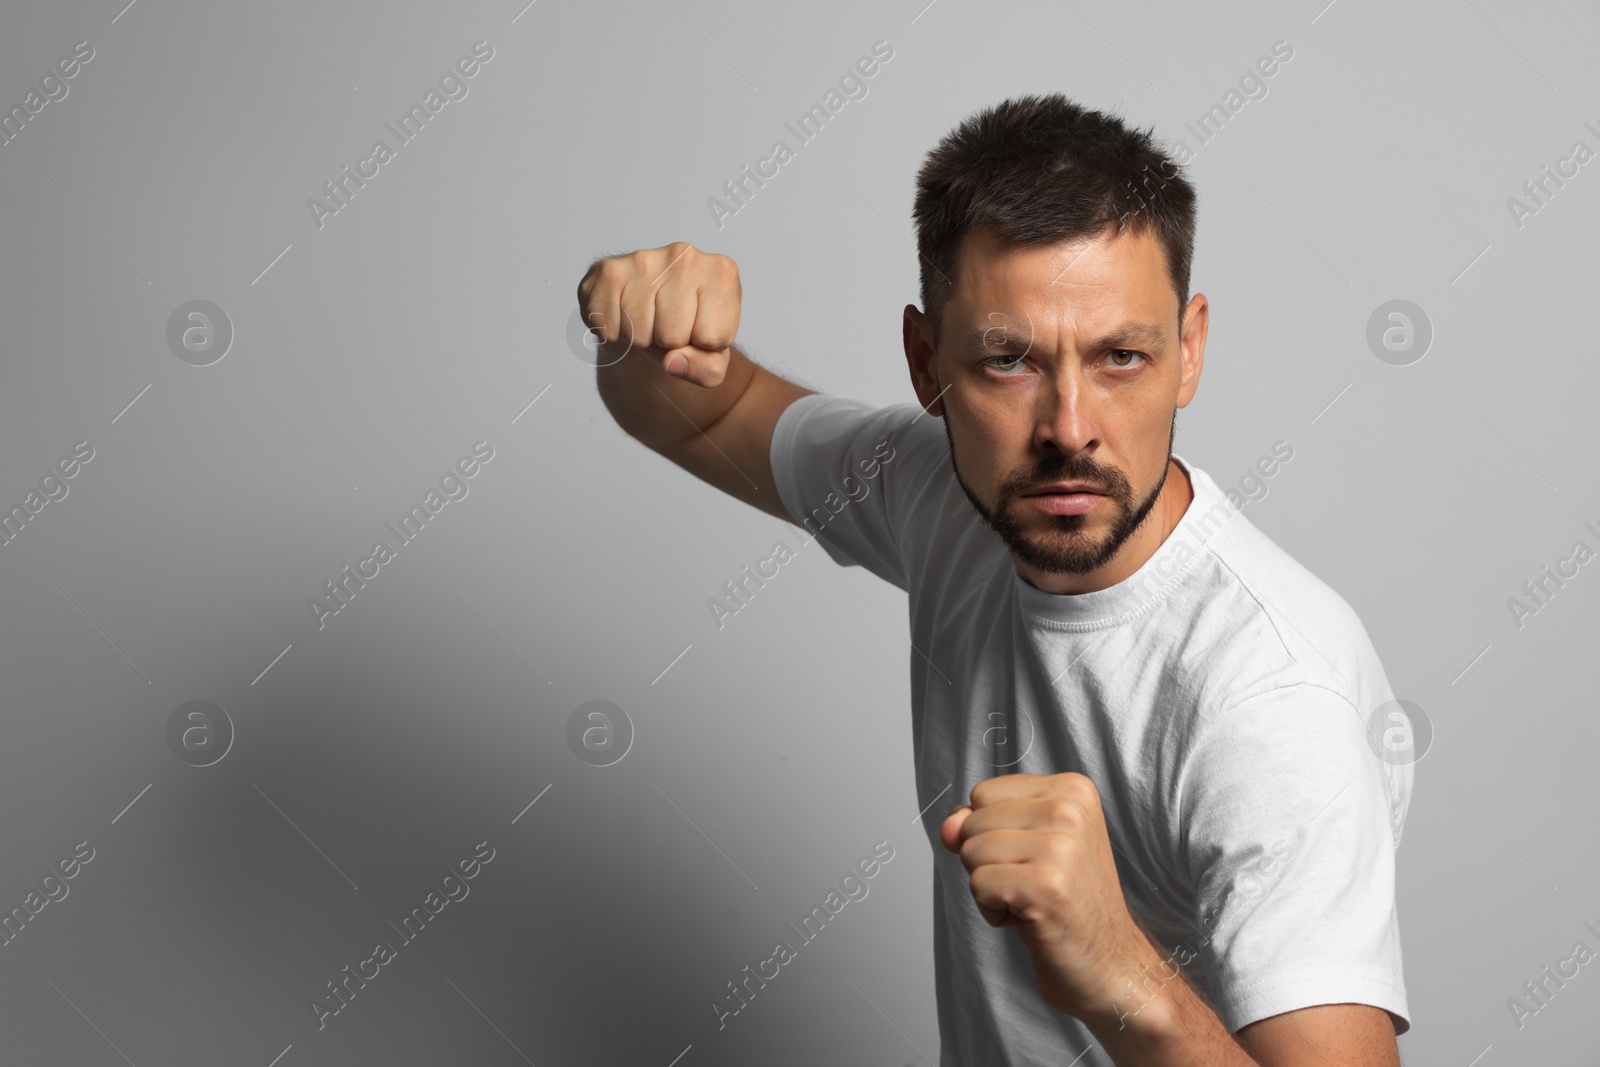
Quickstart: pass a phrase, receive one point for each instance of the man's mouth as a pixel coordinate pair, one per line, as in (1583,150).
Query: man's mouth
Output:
(1066,489)
(1066,498)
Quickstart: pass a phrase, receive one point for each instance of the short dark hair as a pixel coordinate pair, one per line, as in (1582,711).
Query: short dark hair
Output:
(1040,169)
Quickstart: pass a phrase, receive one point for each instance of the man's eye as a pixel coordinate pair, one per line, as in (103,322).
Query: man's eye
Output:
(1117,354)
(1003,359)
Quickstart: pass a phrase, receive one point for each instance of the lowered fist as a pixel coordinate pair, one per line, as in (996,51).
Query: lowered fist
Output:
(1040,859)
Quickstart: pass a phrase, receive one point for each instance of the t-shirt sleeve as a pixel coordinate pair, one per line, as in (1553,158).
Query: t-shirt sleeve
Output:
(839,468)
(1290,848)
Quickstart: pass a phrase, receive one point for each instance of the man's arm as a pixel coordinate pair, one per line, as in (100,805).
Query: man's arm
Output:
(1354,1034)
(1041,862)
(1177,1027)
(715,418)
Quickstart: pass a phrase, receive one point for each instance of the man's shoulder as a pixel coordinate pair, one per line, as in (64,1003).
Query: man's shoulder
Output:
(903,436)
(1272,621)
(874,480)
(830,417)
(1282,660)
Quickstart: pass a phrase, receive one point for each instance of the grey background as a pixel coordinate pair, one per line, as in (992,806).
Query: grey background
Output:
(429,313)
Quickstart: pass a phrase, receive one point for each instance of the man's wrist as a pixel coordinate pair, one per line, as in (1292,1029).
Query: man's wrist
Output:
(1143,1025)
(1140,999)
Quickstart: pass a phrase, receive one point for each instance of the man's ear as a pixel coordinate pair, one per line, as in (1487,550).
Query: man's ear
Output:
(920,362)
(1192,347)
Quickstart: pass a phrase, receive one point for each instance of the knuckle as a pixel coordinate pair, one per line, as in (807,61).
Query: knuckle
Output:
(1063,812)
(1080,787)
(681,252)
(670,335)
(1054,883)
(1059,850)
(967,852)
(713,338)
(597,322)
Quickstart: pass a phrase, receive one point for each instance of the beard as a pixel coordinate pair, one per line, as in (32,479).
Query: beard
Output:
(1065,547)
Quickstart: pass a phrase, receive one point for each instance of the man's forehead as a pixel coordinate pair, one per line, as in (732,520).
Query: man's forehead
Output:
(1094,282)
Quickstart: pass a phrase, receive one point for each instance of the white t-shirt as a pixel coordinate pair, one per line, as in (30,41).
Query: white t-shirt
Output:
(1218,699)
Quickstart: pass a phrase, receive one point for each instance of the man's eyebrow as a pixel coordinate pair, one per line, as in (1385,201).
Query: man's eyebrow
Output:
(1136,332)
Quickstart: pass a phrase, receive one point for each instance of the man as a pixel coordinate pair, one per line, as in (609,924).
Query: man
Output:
(1158,716)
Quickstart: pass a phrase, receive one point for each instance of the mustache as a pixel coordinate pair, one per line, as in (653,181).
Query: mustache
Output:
(1111,481)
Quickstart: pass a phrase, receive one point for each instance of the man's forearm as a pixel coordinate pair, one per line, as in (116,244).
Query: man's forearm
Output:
(1165,1022)
(659,410)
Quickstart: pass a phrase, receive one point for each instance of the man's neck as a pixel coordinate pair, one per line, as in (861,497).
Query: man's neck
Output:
(1177,492)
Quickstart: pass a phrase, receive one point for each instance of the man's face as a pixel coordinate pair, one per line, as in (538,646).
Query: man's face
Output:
(1067,545)
(1060,363)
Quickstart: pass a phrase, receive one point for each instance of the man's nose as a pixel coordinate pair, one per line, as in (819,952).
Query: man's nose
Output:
(1065,417)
